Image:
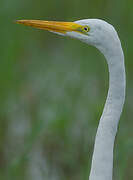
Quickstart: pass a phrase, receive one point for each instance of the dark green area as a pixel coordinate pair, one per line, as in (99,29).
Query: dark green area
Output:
(53,91)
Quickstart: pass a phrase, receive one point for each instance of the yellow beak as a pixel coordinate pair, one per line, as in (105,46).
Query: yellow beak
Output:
(55,26)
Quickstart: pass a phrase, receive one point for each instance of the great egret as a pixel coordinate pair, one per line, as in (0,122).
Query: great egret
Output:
(103,36)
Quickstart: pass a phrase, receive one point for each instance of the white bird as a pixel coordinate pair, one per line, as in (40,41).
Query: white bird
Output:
(103,36)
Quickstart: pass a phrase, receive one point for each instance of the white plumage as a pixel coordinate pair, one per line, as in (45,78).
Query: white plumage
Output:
(103,36)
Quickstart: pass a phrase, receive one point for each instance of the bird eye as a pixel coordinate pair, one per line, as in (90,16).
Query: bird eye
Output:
(86,29)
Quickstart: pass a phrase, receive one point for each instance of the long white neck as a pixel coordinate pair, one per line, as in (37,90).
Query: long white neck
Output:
(102,160)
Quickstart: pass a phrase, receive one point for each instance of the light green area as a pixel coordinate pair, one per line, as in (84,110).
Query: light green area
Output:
(53,91)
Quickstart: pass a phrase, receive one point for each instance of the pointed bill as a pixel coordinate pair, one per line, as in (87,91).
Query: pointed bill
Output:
(55,26)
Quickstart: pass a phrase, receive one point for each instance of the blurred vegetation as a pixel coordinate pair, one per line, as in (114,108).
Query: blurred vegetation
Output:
(53,91)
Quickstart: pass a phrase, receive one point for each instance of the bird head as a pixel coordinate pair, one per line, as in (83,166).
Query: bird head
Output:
(95,32)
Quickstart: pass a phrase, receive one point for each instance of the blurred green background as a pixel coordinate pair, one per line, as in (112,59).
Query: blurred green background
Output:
(53,89)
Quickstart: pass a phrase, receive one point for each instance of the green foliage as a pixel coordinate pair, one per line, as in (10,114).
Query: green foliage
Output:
(53,90)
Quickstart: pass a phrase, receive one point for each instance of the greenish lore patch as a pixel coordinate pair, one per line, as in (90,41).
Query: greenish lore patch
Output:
(83,30)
